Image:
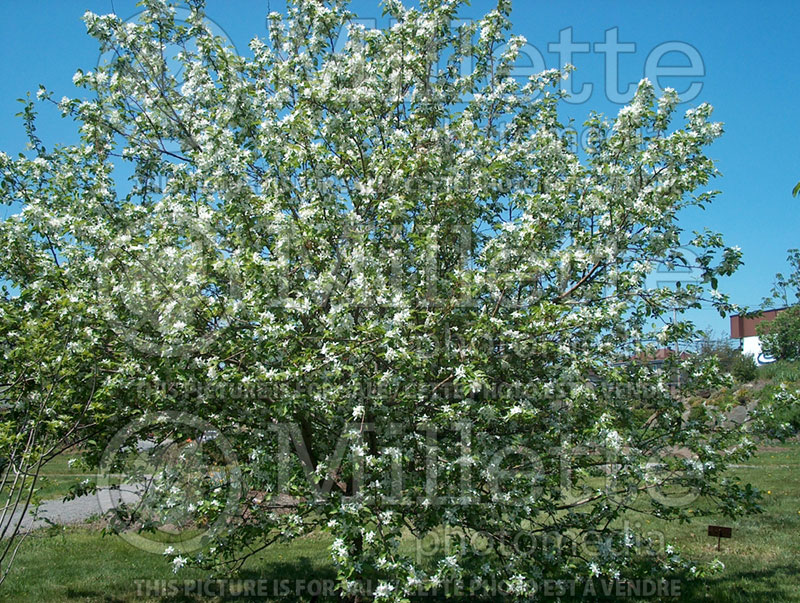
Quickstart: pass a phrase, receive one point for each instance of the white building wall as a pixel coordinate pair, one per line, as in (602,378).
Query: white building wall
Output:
(752,347)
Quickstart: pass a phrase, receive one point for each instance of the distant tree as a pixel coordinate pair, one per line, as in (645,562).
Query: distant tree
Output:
(786,289)
(780,337)
(730,358)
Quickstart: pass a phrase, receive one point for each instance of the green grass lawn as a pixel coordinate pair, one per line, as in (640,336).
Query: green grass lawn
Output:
(762,560)
(56,478)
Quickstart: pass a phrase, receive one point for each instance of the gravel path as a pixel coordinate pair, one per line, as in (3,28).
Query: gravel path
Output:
(77,510)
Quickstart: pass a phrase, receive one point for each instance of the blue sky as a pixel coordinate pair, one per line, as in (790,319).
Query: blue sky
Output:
(740,56)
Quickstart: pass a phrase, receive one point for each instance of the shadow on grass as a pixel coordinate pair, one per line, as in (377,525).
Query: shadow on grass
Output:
(302,580)
(752,586)
(296,580)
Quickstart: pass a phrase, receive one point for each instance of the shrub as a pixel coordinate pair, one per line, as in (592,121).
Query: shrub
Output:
(780,337)
(744,368)
(731,360)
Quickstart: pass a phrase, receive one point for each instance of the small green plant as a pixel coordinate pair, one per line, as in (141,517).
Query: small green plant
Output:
(743,367)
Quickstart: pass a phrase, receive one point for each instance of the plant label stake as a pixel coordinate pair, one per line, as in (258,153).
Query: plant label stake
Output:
(720,532)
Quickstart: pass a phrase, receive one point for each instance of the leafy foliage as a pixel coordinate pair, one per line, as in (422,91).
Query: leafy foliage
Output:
(780,337)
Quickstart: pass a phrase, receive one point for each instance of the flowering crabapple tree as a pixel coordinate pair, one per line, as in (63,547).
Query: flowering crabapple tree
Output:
(381,272)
